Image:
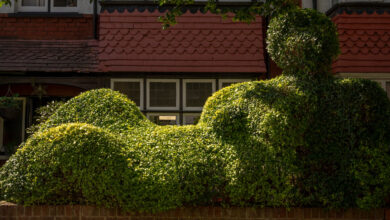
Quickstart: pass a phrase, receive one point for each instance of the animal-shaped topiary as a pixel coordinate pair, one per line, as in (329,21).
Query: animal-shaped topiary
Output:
(302,139)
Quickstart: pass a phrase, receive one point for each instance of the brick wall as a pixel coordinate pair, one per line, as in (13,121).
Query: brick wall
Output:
(10,211)
(46,28)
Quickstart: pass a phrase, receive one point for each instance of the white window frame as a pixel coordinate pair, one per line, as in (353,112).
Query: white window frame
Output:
(148,115)
(33,8)
(148,81)
(64,9)
(189,114)
(185,81)
(221,81)
(141,81)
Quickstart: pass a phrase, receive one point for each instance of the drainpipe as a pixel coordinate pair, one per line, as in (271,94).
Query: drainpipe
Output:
(95,20)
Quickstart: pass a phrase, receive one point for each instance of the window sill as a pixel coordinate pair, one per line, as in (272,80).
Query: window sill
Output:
(46,15)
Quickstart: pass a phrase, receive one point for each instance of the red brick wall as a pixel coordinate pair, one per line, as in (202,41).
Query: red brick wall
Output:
(46,28)
(10,211)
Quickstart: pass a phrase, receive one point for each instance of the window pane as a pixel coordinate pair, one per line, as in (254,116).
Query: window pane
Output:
(65,3)
(131,89)
(162,94)
(13,127)
(164,119)
(33,3)
(388,89)
(197,93)
(191,119)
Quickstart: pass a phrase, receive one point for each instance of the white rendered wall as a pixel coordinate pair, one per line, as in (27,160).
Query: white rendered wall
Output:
(84,7)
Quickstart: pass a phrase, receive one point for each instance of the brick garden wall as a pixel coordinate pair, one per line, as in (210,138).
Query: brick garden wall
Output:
(46,28)
(11,211)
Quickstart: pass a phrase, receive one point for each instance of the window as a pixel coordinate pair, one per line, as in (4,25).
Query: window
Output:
(191,118)
(163,94)
(170,101)
(33,5)
(13,126)
(164,118)
(64,6)
(196,92)
(133,88)
(43,5)
(227,82)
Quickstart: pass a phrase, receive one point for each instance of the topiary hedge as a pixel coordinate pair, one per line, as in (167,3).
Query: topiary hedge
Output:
(302,139)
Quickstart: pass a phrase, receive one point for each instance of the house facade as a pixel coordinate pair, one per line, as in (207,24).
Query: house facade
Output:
(56,49)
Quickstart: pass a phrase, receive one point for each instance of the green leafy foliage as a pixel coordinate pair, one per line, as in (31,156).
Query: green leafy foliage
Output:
(9,101)
(68,164)
(102,108)
(303,41)
(43,113)
(302,139)
(246,12)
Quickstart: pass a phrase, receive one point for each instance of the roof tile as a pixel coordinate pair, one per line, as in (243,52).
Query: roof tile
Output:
(140,44)
(364,41)
(48,56)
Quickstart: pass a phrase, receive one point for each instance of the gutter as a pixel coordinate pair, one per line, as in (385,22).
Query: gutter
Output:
(359,7)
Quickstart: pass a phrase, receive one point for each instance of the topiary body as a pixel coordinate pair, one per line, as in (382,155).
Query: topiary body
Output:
(302,139)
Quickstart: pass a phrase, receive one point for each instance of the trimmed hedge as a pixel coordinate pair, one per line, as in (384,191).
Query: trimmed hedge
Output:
(302,139)
(102,108)
(313,141)
(303,41)
(68,164)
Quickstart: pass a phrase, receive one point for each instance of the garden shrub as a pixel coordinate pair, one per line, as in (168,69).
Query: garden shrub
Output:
(43,113)
(302,41)
(301,139)
(68,164)
(103,108)
(304,141)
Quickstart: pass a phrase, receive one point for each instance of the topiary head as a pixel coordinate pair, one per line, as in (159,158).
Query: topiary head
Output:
(303,41)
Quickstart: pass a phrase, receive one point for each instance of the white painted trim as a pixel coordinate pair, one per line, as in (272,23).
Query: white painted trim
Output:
(64,9)
(33,8)
(189,114)
(148,81)
(141,81)
(148,115)
(373,76)
(212,81)
(221,81)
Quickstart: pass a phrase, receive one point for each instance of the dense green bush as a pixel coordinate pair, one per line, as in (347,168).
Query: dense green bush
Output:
(302,139)
(311,141)
(103,108)
(71,163)
(303,41)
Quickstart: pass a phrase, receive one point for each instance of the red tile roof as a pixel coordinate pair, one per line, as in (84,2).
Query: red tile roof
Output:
(48,56)
(365,43)
(135,42)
